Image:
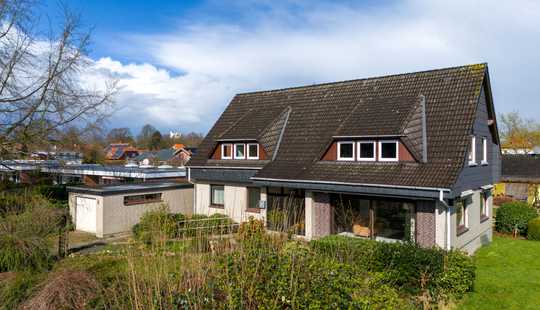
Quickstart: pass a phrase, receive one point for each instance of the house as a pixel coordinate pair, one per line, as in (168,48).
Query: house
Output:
(178,155)
(112,209)
(402,157)
(520,177)
(120,151)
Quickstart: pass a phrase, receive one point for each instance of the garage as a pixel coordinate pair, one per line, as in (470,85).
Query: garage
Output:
(106,210)
(86,214)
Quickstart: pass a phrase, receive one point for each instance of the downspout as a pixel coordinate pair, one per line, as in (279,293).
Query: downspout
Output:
(189,174)
(447,215)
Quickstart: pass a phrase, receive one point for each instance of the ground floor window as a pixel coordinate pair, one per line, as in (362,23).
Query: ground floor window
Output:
(462,216)
(217,196)
(286,210)
(253,199)
(484,204)
(141,199)
(373,218)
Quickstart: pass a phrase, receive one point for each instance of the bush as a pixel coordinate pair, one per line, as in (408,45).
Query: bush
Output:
(533,229)
(416,270)
(513,217)
(154,226)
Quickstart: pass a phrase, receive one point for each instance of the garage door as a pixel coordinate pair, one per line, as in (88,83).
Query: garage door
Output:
(86,214)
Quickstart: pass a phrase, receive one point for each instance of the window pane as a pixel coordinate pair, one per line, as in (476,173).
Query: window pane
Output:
(227,150)
(460,218)
(253,150)
(367,150)
(254,195)
(240,153)
(388,149)
(391,220)
(217,193)
(346,150)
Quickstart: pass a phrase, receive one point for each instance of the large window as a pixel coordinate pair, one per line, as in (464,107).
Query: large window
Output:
(239,151)
(253,151)
(472,152)
(141,199)
(217,196)
(346,150)
(388,150)
(253,198)
(226,151)
(484,151)
(366,151)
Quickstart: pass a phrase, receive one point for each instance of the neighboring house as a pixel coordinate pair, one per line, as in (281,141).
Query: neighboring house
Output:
(403,157)
(178,155)
(120,151)
(520,177)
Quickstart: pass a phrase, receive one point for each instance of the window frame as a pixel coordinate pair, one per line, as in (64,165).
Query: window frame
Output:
(472,152)
(484,151)
(212,202)
(460,229)
(223,149)
(258,149)
(484,206)
(235,148)
(359,153)
(249,208)
(396,142)
(339,151)
(143,200)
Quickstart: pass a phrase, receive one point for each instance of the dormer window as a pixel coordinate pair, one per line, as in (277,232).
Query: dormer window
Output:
(253,151)
(226,151)
(345,150)
(239,151)
(366,151)
(388,150)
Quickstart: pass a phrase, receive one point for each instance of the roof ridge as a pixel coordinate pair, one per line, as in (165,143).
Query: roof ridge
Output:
(483,64)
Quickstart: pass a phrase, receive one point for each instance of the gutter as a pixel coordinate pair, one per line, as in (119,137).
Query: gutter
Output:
(354,184)
(447,215)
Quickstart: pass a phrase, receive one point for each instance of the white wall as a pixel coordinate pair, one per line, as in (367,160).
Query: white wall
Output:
(235,202)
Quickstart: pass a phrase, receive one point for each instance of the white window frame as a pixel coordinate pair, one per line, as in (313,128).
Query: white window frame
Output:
(380,150)
(234,154)
(358,153)
(484,196)
(472,150)
(339,151)
(222,151)
(247,151)
(484,151)
(465,213)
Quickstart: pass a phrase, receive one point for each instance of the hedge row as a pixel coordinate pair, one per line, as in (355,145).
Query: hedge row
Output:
(412,268)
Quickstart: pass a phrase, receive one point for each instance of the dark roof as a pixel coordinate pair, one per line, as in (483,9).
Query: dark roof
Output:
(520,168)
(301,122)
(133,188)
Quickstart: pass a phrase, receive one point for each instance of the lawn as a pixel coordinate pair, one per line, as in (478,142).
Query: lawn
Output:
(508,276)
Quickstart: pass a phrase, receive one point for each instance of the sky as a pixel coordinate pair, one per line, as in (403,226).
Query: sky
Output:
(179,63)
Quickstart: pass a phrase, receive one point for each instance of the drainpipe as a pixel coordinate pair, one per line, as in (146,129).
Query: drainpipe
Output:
(189,174)
(447,215)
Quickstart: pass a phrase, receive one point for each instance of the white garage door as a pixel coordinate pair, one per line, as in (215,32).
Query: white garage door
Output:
(86,214)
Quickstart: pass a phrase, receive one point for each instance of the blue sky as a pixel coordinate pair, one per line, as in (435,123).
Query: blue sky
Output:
(180,62)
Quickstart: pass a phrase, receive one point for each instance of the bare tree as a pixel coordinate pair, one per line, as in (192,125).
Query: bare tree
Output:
(41,89)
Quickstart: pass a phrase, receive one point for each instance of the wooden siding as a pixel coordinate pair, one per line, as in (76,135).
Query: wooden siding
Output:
(472,177)
(403,153)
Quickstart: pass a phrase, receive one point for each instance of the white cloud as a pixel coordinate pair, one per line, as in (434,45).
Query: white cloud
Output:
(326,43)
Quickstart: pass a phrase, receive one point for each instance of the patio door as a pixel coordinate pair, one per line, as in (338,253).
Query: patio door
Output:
(285,210)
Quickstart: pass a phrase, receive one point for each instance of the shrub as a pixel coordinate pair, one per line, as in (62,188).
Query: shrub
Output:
(220,223)
(416,270)
(156,225)
(195,225)
(533,229)
(513,217)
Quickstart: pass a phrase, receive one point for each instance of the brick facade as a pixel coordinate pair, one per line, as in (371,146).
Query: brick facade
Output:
(425,223)
(322,215)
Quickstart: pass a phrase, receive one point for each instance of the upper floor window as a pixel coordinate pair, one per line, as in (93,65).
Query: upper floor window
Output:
(239,151)
(345,150)
(366,150)
(253,151)
(472,152)
(388,150)
(226,151)
(484,151)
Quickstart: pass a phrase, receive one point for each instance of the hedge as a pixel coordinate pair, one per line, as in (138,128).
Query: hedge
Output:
(533,229)
(514,216)
(443,274)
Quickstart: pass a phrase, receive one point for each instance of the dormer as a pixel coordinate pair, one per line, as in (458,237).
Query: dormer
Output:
(239,150)
(368,150)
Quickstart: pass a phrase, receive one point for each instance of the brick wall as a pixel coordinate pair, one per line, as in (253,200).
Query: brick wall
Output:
(425,223)
(322,215)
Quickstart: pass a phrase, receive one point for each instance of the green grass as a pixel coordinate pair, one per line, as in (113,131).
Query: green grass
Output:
(508,276)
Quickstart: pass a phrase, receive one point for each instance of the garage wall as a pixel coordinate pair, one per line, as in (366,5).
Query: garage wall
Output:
(120,218)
